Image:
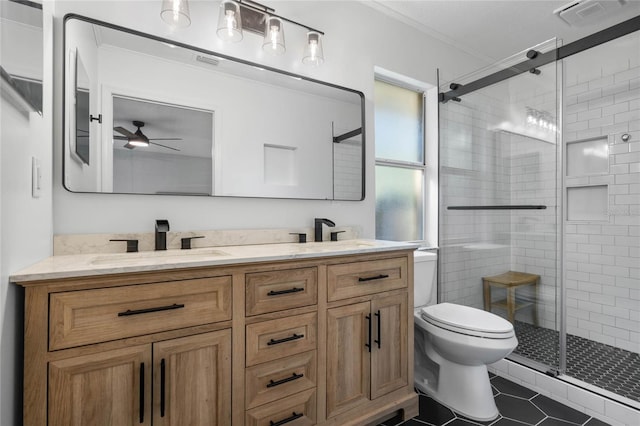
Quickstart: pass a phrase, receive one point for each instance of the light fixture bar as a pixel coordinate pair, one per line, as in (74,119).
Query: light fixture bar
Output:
(269,11)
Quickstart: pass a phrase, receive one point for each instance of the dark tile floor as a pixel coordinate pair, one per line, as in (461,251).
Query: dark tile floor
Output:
(518,406)
(605,366)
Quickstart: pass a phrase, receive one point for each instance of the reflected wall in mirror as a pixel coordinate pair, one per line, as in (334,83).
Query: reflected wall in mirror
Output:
(82,116)
(181,120)
(21,53)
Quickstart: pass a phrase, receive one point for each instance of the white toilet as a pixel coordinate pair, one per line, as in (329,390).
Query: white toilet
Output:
(454,344)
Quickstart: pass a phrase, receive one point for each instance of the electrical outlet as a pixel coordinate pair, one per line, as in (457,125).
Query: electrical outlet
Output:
(36,178)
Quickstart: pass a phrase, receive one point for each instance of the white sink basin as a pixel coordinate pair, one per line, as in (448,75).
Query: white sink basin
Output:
(127,259)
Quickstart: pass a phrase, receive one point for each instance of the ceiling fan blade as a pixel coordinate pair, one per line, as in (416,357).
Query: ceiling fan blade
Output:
(121,138)
(165,139)
(124,132)
(128,146)
(164,146)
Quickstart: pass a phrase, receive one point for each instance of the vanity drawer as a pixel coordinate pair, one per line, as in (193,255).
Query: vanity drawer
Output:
(278,379)
(269,340)
(91,316)
(362,278)
(279,290)
(297,410)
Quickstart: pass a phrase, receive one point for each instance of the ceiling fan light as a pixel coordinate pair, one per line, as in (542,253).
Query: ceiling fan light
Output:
(229,21)
(138,143)
(313,54)
(274,36)
(176,13)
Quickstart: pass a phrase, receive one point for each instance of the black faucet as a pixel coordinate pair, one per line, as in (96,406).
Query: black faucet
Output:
(318,227)
(162,227)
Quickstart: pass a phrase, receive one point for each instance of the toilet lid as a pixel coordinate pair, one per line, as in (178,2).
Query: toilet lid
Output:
(467,319)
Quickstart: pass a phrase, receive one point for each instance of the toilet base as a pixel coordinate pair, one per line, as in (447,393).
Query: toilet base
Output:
(473,399)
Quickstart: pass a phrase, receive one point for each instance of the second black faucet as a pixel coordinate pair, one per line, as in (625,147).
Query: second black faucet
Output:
(318,227)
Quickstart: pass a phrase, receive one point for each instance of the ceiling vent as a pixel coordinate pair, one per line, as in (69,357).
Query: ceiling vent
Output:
(207,60)
(583,12)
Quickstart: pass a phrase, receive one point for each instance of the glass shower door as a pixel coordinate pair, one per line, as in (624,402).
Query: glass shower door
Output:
(499,210)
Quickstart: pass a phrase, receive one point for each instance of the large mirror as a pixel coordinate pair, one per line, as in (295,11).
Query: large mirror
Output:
(145,115)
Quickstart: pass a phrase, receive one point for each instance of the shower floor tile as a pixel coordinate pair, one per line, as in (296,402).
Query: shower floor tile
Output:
(607,367)
(518,406)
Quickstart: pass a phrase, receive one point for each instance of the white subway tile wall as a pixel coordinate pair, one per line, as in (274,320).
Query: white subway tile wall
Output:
(602,258)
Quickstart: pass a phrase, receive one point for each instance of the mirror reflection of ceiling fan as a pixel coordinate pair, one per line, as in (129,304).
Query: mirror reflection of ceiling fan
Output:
(139,139)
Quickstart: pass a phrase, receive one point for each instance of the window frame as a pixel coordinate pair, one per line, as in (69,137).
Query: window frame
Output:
(422,89)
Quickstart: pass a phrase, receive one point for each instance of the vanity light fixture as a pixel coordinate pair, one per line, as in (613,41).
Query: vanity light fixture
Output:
(230,21)
(274,36)
(313,54)
(234,16)
(176,13)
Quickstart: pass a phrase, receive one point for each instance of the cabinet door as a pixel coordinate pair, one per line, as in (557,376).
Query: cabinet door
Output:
(192,380)
(348,359)
(110,388)
(389,353)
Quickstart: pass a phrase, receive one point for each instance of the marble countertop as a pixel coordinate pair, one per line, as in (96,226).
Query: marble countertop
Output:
(69,266)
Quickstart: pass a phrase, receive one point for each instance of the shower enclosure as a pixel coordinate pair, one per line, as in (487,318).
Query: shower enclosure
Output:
(540,174)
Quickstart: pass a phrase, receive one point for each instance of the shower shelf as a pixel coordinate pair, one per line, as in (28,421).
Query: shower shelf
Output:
(512,207)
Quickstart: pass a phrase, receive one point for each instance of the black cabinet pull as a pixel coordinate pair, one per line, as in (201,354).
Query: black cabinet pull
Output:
(279,292)
(379,341)
(377,277)
(149,310)
(294,416)
(368,344)
(141,408)
(291,378)
(162,386)
(286,339)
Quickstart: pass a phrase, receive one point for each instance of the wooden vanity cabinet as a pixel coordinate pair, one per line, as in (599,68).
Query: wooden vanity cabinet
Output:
(190,378)
(256,344)
(367,341)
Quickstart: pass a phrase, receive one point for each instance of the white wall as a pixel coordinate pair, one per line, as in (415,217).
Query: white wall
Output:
(25,222)
(352,46)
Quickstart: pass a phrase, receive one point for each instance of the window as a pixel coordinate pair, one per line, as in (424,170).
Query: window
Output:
(400,162)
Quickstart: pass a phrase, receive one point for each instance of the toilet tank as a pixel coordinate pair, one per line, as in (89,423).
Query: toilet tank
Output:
(424,278)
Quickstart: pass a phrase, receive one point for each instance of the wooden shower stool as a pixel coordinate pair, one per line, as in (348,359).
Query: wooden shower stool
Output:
(510,281)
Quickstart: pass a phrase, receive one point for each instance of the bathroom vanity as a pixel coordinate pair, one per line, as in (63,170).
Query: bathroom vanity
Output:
(270,334)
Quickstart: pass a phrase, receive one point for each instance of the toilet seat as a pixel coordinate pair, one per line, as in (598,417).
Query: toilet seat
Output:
(466,320)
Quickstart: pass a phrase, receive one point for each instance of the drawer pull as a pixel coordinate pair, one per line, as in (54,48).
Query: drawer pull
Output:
(149,310)
(379,341)
(141,402)
(294,416)
(163,384)
(279,292)
(368,344)
(286,339)
(377,277)
(291,378)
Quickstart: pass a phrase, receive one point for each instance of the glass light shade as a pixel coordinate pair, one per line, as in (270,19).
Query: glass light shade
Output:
(274,36)
(229,21)
(313,54)
(176,13)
